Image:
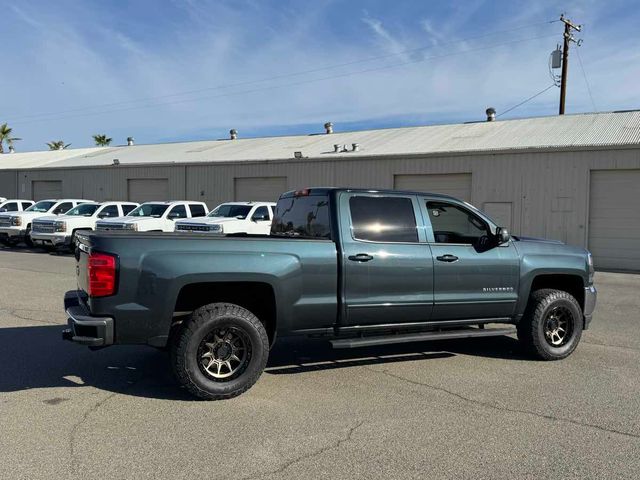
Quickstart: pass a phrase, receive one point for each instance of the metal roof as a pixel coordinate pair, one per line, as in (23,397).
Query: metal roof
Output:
(613,129)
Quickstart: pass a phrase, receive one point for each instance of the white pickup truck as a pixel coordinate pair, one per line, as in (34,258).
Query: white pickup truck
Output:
(15,227)
(60,231)
(154,217)
(235,217)
(14,205)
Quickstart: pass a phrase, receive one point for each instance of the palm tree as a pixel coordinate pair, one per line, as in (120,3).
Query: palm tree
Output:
(57,145)
(5,136)
(102,140)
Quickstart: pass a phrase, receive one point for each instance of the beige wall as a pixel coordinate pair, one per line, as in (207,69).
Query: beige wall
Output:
(548,191)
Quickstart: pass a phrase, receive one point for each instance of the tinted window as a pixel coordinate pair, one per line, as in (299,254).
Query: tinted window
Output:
(383,219)
(84,209)
(179,211)
(261,213)
(10,207)
(454,224)
(25,205)
(304,217)
(41,207)
(126,208)
(63,208)
(109,211)
(149,210)
(197,210)
(229,210)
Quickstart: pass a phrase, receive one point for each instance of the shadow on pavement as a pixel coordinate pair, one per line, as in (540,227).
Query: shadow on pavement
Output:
(37,357)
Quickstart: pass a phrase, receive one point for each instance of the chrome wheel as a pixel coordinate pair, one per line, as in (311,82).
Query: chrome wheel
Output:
(224,354)
(558,326)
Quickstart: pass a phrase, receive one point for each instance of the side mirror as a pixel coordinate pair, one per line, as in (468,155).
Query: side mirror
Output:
(502,234)
(240,217)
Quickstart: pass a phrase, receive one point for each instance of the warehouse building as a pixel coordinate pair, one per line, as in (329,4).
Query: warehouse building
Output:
(575,178)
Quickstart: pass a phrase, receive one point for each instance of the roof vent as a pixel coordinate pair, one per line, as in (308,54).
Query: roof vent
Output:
(328,127)
(11,149)
(233,133)
(130,141)
(491,114)
(116,162)
(338,148)
(355,147)
(297,154)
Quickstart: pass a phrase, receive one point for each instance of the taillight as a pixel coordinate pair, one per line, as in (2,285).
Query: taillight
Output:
(102,274)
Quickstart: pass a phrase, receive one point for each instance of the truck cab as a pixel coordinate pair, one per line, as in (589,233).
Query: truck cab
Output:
(154,217)
(253,218)
(59,231)
(14,205)
(16,227)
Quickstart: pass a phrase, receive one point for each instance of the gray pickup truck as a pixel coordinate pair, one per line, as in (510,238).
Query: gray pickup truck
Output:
(358,267)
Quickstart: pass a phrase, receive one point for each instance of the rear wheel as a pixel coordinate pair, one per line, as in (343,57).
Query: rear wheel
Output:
(220,352)
(552,324)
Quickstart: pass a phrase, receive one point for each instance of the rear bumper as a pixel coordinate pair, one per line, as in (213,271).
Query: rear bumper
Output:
(85,329)
(54,239)
(590,298)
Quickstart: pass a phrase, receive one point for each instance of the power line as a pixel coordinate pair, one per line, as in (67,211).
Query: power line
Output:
(292,84)
(287,75)
(584,75)
(528,99)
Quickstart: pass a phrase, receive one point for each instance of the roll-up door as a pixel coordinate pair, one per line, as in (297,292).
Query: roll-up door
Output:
(44,189)
(148,189)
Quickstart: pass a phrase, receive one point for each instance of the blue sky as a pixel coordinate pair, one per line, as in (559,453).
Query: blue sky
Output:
(187,69)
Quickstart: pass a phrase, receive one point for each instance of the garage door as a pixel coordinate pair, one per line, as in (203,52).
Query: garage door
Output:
(614,219)
(148,189)
(455,184)
(43,189)
(261,189)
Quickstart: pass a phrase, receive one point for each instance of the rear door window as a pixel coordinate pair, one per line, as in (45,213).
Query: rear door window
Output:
(197,210)
(383,219)
(127,207)
(26,205)
(62,208)
(179,211)
(10,207)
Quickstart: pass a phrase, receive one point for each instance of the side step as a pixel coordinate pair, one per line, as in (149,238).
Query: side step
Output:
(374,340)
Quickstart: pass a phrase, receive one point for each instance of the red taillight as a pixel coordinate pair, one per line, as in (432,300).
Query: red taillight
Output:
(302,193)
(102,274)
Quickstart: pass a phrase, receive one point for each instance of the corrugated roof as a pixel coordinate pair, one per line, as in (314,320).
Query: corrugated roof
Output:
(615,129)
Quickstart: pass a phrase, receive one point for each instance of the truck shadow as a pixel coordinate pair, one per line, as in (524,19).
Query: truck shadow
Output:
(36,357)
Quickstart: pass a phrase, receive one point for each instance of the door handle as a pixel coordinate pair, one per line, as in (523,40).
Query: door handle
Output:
(361,257)
(447,258)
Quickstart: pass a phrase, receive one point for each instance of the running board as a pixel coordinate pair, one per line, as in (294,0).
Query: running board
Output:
(374,340)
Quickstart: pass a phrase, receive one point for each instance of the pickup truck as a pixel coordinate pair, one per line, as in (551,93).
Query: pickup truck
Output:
(359,267)
(14,205)
(233,217)
(60,231)
(16,227)
(154,217)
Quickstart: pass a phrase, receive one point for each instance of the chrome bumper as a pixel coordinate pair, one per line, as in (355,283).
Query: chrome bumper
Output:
(590,298)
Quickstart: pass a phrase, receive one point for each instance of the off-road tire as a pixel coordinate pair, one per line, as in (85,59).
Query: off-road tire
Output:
(186,343)
(27,240)
(531,328)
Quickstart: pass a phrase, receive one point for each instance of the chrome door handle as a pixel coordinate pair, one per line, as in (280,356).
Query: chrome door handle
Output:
(361,257)
(447,258)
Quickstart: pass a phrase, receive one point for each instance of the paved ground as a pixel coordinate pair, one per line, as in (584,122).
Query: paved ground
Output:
(460,409)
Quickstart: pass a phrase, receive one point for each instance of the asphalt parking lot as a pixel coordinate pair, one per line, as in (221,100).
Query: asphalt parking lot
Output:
(457,409)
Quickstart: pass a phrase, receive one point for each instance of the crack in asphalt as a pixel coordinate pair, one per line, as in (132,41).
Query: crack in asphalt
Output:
(622,347)
(75,461)
(504,409)
(14,313)
(332,446)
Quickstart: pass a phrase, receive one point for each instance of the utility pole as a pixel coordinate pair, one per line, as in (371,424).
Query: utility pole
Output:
(568,37)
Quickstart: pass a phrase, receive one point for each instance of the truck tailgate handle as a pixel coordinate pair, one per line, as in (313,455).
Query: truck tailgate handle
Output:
(447,258)
(361,257)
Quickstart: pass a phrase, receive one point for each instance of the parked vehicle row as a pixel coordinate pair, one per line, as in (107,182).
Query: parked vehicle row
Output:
(54,223)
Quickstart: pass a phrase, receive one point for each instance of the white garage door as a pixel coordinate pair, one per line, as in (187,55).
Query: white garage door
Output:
(148,189)
(455,184)
(259,189)
(43,189)
(614,219)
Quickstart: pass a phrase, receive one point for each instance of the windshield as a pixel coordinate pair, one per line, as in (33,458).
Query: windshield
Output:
(41,207)
(85,210)
(231,211)
(149,210)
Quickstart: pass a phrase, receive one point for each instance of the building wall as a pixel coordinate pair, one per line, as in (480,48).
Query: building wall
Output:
(548,191)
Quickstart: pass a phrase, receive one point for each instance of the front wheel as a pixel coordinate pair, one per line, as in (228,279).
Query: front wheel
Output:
(220,351)
(552,324)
